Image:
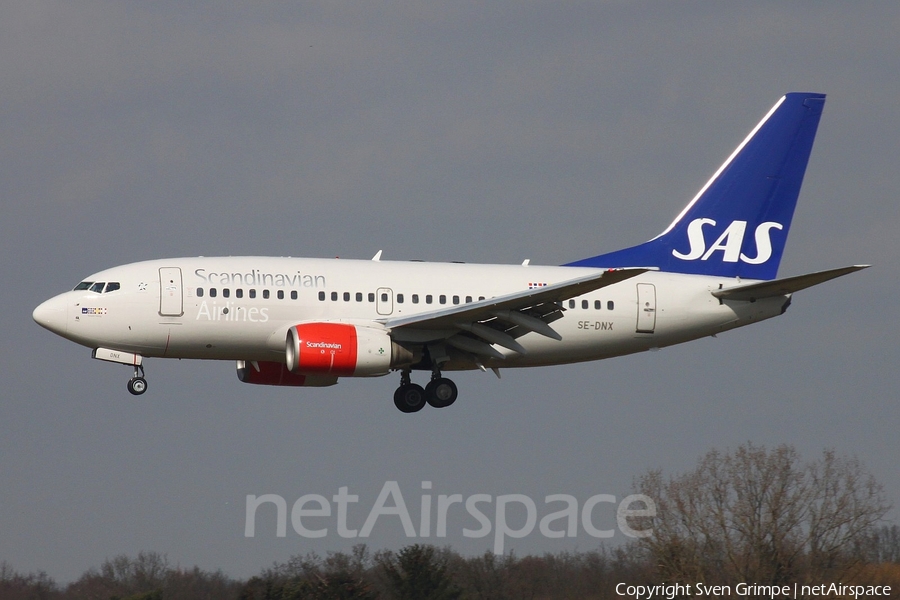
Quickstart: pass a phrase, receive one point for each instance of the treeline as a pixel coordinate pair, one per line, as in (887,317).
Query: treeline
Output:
(414,572)
(748,516)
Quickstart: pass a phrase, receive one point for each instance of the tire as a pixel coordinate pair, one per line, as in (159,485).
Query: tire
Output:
(441,392)
(137,386)
(409,398)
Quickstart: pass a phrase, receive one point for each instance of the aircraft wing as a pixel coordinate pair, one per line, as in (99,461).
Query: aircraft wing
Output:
(782,287)
(474,326)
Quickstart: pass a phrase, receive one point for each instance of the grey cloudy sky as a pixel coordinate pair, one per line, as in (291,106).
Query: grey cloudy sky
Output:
(481,132)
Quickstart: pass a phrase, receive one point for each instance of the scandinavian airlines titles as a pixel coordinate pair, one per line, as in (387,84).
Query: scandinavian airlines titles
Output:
(259,277)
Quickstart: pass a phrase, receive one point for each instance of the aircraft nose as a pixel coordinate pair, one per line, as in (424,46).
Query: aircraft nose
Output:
(51,315)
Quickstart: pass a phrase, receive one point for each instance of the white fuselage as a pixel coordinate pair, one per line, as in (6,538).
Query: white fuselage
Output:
(240,308)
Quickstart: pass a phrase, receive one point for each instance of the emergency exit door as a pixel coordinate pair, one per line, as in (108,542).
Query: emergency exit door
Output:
(384,303)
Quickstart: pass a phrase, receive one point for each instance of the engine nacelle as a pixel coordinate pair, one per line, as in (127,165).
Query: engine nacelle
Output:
(342,349)
(277,373)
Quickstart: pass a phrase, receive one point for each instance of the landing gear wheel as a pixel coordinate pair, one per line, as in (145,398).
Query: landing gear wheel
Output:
(409,398)
(441,392)
(137,385)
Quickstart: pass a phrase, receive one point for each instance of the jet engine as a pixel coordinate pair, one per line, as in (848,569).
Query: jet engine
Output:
(342,349)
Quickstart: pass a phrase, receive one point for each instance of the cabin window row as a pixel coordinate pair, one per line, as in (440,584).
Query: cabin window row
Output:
(598,304)
(348,297)
(239,293)
(400,298)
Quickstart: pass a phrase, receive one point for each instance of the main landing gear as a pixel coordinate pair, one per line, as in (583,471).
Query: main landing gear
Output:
(137,385)
(411,397)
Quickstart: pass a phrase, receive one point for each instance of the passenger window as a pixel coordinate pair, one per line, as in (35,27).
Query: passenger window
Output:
(415,298)
(597,305)
(212,292)
(384,297)
(468,299)
(428,299)
(442,299)
(399,298)
(480,298)
(321,296)
(226,293)
(252,293)
(84,285)
(359,297)
(371,297)
(281,294)
(265,294)
(199,292)
(455,299)
(334,296)
(239,293)
(346,296)
(111,287)
(571,304)
(584,304)
(610,305)
(293,294)
(98,287)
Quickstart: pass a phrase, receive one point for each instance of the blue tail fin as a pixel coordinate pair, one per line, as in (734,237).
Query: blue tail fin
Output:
(738,223)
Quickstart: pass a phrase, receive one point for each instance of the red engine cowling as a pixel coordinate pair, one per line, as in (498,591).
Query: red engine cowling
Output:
(276,373)
(341,349)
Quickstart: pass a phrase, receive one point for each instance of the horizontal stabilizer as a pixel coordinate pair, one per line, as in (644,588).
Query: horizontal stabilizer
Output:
(782,287)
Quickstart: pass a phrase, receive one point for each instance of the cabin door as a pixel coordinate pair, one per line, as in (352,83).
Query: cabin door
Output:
(646,317)
(171,303)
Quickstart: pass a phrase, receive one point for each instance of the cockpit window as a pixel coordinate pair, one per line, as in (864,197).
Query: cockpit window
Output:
(98,286)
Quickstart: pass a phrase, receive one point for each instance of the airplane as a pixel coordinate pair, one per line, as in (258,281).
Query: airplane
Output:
(310,321)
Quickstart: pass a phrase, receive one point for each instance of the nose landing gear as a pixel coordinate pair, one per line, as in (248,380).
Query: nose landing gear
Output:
(137,385)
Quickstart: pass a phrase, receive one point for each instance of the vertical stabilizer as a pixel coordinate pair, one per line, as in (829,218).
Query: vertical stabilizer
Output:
(737,224)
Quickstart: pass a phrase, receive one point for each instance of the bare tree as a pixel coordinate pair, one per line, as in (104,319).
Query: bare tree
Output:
(883,545)
(34,586)
(761,516)
(149,576)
